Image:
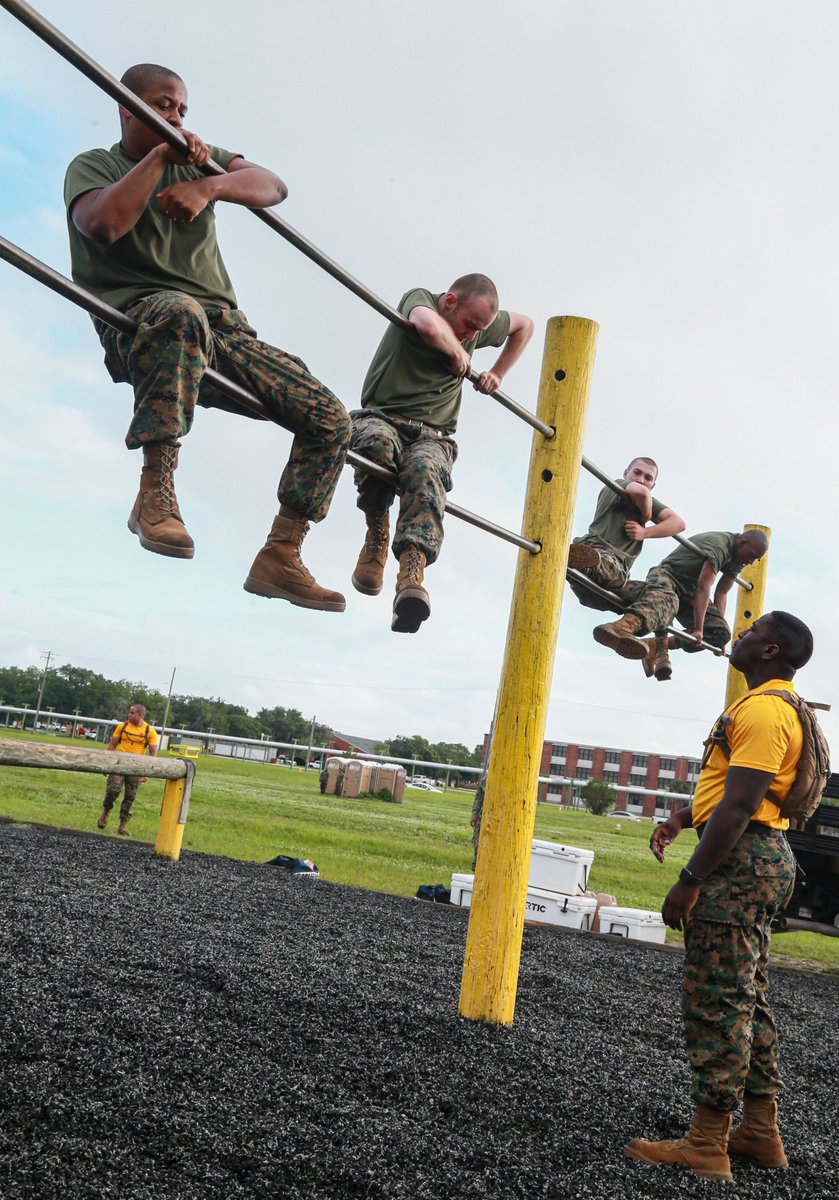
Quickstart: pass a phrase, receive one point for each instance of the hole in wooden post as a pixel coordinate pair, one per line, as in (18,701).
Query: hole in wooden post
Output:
(559,376)
(547,475)
(747,614)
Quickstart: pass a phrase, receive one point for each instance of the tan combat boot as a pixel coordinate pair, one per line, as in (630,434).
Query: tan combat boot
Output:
(279,572)
(758,1137)
(368,576)
(155,517)
(657,661)
(122,829)
(412,605)
(620,636)
(703,1148)
(103,820)
(582,557)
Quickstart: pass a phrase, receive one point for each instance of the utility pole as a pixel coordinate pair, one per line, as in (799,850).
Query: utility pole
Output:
(41,688)
(168,702)
(311,739)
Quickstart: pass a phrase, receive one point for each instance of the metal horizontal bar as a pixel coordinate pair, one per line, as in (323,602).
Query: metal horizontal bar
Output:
(619,491)
(618,604)
(98,762)
(243,399)
(73,54)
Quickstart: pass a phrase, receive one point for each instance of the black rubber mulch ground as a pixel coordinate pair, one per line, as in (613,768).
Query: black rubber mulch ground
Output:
(219,1029)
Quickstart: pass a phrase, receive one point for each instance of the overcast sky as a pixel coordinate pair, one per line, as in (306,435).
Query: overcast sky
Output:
(667,168)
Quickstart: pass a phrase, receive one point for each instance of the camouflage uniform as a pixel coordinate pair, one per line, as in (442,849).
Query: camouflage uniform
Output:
(477,814)
(165,362)
(423,463)
(612,573)
(730,1033)
(113,787)
(661,598)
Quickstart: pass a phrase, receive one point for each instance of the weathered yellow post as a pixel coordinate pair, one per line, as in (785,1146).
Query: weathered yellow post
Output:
(496,921)
(749,608)
(173,813)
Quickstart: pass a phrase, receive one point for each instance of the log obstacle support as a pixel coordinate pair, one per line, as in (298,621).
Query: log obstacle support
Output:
(178,774)
(749,608)
(496,919)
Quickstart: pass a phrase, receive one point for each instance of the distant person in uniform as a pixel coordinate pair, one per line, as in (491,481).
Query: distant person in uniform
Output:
(134,736)
(142,233)
(410,404)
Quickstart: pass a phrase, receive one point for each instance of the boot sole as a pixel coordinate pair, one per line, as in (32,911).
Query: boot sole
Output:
(365,589)
(159,547)
(409,612)
(626,647)
(582,557)
(257,588)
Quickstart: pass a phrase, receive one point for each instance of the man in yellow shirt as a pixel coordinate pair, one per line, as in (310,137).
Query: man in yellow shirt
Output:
(738,879)
(133,736)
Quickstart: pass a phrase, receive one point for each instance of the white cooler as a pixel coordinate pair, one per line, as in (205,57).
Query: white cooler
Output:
(634,923)
(560,868)
(543,907)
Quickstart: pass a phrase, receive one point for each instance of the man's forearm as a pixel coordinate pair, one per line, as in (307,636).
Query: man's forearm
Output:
(109,213)
(254,187)
(512,350)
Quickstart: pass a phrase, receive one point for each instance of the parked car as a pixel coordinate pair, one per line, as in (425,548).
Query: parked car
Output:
(624,815)
(91,734)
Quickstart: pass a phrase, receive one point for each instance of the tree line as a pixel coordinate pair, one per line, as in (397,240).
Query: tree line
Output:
(69,689)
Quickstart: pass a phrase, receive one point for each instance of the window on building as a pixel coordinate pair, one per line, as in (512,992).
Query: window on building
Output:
(639,760)
(560,751)
(668,764)
(613,756)
(586,752)
(582,773)
(556,769)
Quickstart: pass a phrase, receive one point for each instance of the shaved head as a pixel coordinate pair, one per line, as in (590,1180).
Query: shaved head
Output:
(475,287)
(140,78)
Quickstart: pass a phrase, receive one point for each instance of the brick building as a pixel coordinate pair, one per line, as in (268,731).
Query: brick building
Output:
(566,760)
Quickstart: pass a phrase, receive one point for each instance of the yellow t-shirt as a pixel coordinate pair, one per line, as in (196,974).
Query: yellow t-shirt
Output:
(132,738)
(764,734)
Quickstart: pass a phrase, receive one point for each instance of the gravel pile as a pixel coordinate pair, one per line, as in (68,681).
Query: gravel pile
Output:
(220,1029)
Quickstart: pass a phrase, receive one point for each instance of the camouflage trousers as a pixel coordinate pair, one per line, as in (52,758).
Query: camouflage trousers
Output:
(730,1033)
(611,573)
(165,363)
(661,599)
(113,787)
(423,464)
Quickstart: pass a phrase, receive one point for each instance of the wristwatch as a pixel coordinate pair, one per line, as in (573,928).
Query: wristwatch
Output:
(687,876)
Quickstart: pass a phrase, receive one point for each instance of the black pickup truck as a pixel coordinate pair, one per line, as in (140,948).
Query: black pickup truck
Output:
(816,848)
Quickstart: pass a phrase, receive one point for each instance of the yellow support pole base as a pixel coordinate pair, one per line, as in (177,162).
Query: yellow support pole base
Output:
(170,832)
(496,920)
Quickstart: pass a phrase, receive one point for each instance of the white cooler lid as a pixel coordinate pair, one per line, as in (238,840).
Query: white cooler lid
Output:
(640,915)
(561,851)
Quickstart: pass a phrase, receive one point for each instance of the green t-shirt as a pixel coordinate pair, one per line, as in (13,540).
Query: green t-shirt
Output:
(410,379)
(610,516)
(158,254)
(686,567)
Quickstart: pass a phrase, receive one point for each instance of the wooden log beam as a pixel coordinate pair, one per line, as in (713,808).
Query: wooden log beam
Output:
(80,758)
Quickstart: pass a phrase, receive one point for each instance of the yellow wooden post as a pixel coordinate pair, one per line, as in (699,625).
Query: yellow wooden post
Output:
(170,832)
(496,921)
(749,608)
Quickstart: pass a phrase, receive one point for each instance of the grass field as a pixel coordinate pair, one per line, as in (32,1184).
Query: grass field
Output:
(253,811)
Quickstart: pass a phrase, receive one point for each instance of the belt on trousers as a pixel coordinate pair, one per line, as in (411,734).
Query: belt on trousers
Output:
(434,430)
(758,827)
